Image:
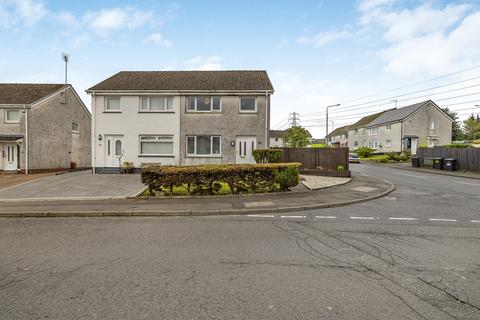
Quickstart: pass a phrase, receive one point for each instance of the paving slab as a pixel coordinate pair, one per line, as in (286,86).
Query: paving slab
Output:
(301,199)
(75,185)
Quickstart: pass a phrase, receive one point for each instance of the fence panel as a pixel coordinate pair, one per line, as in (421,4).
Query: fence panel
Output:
(317,158)
(467,158)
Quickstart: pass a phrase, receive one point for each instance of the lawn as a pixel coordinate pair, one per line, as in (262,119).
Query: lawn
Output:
(376,157)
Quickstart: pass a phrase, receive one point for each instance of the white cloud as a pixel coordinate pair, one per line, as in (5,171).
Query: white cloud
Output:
(157,39)
(21,12)
(369,5)
(204,63)
(114,19)
(323,38)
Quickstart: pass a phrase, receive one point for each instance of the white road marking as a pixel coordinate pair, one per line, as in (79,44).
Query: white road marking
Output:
(402,218)
(443,220)
(261,215)
(325,217)
(475,221)
(468,183)
(362,218)
(409,175)
(294,217)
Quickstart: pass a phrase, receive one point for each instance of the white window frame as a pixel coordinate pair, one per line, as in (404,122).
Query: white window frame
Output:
(388,144)
(355,132)
(219,154)
(355,144)
(432,125)
(12,121)
(211,104)
(78,127)
(247,111)
(373,144)
(388,127)
(158,138)
(106,109)
(371,131)
(166,99)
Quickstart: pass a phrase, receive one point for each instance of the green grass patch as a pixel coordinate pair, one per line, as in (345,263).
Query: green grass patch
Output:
(376,157)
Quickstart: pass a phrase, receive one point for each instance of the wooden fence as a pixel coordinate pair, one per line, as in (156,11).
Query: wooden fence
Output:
(467,158)
(321,159)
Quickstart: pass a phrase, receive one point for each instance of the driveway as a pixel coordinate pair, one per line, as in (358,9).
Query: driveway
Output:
(77,185)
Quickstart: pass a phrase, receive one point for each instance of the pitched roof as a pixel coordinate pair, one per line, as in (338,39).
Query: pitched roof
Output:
(365,120)
(237,80)
(339,131)
(277,133)
(25,93)
(397,114)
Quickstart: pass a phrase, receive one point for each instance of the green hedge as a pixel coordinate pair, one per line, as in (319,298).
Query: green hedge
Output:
(206,179)
(457,145)
(364,152)
(267,155)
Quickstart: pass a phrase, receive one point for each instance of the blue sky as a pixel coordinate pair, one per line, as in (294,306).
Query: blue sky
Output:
(316,52)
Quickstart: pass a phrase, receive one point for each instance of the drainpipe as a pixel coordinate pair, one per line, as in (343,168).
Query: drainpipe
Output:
(26,139)
(94,133)
(267,141)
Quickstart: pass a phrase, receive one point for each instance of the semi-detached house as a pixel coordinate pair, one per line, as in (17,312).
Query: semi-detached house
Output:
(179,117)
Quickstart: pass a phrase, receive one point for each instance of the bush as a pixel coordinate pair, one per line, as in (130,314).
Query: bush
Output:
(392,155)
(364,152)
(267,155)
(457,145)
(205,179)
(340,168)
(383,160)
(403,157)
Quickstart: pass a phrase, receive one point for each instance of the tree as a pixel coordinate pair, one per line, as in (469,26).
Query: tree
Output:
(457,133)
(471,126)
(297,137)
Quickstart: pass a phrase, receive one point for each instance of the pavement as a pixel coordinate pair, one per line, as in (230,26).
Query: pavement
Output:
(74,185)
(462,174)
(361,188)
(412,254)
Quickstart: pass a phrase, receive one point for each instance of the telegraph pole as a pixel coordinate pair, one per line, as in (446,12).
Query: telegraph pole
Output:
(326,122)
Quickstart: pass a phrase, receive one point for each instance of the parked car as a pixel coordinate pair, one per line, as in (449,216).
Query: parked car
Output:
(353,157)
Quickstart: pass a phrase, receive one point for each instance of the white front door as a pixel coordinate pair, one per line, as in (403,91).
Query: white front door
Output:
(245,147)
(10,156)
(113,150)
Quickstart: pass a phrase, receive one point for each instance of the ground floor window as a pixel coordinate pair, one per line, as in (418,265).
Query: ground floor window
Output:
(156,145)
(355,144)
(388,143)
(203,145)
(373,144)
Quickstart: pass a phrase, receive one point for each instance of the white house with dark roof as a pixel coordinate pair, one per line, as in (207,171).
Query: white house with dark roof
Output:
(43,127)
(405,129)
(179,117)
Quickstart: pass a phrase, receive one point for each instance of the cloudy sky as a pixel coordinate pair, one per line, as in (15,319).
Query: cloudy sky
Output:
(317,53)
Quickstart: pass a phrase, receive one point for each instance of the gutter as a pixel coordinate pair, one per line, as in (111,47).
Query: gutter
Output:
(178,92)
(26,139)
(94,133)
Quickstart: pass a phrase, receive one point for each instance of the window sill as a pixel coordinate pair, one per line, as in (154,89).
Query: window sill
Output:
(204,156)
(209,112)
(156,111)
(76,132)
(112,111)
(12,122)
(156,156)
(248,112)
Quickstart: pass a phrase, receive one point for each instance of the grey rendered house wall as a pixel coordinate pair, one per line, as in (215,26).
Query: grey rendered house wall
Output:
(418,124)
(51,142)
(394,135)
(228,123)
(9,128)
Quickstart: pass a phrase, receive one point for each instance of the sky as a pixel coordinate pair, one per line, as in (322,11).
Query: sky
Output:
(317,53)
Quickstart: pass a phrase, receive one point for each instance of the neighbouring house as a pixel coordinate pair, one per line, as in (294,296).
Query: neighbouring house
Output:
(276,138)
(339,137)
(405,129)
(179,117)
(357,134)
(43,127)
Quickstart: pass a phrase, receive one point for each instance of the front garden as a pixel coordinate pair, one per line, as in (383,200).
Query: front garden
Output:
(366,154)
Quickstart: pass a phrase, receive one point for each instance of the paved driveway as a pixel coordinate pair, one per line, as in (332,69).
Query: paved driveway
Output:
(80,184)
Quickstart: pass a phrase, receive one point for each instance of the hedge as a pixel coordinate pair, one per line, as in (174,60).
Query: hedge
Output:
(267,155)
(206,179)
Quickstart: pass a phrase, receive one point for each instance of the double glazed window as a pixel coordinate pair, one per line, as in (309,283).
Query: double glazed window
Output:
(203,145)
(151,145)
(373,144)
(388,127)
(203,104)
(75,127)
(388,143)
(112,104)
(248,104)
(12,116)
(373,131)
(156,104)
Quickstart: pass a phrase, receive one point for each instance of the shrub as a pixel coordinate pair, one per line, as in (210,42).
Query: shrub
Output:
(340,168)
(383,160)
(127,166)
(267,155)
(204,179)
(457,145)
(364,152)
(403,157)
(392,155)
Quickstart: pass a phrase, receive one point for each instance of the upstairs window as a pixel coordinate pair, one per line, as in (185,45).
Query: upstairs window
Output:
(373,131)
(75,127)
(432,125)
(112,104)
(203,104)
(156,104)
(355,132)
(248,104)
(12,116)
(388,127)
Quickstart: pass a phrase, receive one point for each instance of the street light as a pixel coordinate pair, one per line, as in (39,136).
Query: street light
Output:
(326,135)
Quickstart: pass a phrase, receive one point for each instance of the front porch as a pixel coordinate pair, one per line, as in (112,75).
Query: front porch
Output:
(10,151)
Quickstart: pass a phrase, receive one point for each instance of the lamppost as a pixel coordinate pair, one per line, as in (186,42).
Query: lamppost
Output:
(326,123)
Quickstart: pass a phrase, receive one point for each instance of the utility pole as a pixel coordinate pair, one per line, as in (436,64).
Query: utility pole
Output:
(326,122)
(65,57)
(294,119)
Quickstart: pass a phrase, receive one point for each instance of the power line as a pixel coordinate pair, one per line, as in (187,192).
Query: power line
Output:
(294,119)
